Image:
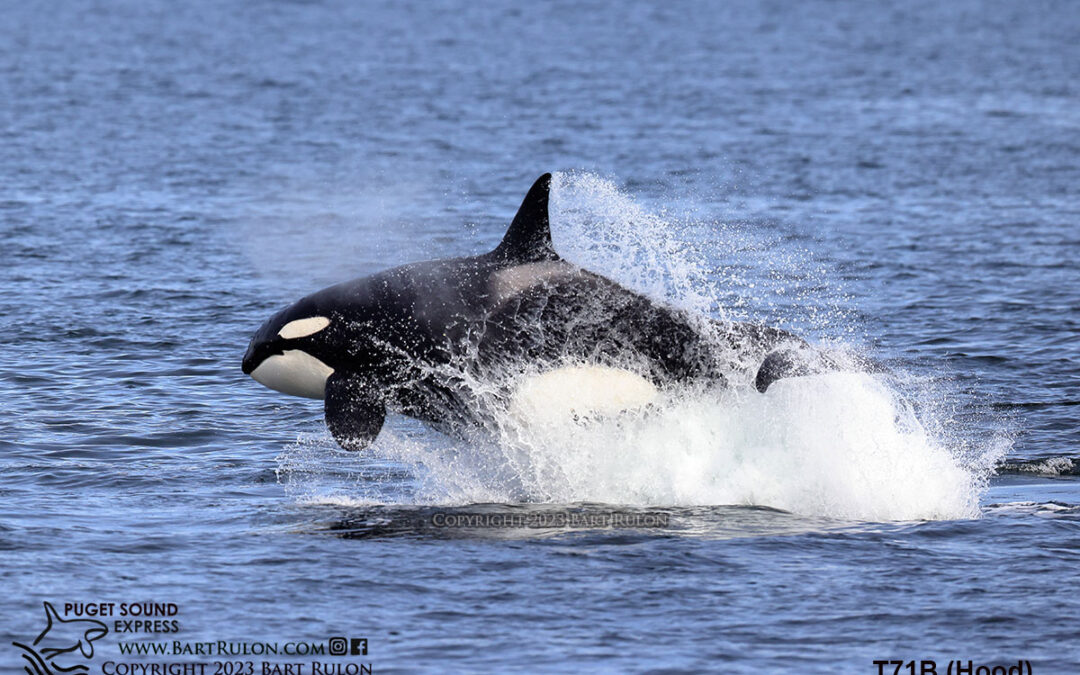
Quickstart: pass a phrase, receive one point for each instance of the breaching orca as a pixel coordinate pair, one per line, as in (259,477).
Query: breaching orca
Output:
(417,339)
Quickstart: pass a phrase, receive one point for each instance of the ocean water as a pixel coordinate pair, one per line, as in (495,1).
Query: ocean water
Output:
(898,180)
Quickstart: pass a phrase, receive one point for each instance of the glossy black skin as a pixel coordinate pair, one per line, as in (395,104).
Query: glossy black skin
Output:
(415,334)
(415,339)
(402,333)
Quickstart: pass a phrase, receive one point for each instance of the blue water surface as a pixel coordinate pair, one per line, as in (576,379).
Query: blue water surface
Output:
(172,173)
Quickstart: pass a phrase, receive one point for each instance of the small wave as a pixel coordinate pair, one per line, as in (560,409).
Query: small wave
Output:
(612,524)
(1052,466)
(1042,509)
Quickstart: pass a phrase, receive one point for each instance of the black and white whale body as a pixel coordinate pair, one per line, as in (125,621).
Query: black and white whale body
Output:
(417,339)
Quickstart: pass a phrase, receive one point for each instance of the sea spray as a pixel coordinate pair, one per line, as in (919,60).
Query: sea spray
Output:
(840,445)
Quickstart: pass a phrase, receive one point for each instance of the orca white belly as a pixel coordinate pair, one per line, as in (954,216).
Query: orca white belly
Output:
(577,392)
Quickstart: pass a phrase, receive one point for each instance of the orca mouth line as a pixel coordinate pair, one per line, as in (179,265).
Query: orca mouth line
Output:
(256,354)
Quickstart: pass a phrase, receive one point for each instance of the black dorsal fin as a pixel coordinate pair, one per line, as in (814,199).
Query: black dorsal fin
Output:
(529,236)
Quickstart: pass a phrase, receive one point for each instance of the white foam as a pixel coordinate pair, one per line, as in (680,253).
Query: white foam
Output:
(842,445)
(837,445)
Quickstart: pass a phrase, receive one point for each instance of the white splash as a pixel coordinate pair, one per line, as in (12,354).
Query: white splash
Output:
(838,445)
(841,445)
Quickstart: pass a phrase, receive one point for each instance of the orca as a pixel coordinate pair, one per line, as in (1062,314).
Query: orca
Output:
(433,339)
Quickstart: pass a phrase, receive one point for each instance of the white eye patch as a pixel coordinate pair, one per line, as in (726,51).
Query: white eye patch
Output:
(303,327)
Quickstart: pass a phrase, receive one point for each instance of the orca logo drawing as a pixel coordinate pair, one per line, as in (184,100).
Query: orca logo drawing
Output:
(56,650)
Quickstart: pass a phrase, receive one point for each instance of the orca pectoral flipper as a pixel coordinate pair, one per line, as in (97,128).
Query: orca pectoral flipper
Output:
(354,411)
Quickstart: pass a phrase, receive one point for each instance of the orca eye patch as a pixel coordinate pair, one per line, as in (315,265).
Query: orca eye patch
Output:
(303,327)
